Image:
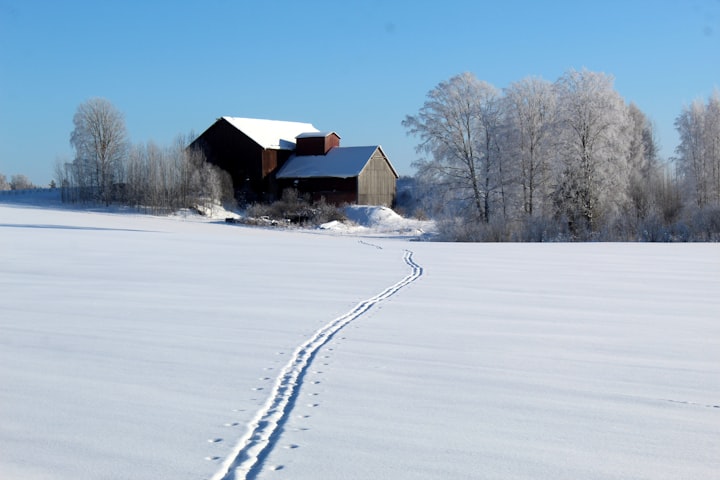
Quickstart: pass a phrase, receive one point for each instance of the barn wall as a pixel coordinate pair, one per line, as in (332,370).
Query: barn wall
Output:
(273,160)
(377,182)
(331,141)
(334,190)
(269,162)
(226,147)
(251,167)
(269,167)
(310,146)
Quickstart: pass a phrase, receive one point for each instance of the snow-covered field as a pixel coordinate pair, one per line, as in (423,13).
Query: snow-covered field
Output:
(167,348)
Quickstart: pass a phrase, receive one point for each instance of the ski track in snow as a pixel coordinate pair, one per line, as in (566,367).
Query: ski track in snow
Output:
(246,460)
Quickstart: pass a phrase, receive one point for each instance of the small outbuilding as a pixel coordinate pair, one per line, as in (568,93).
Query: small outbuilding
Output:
(361,175)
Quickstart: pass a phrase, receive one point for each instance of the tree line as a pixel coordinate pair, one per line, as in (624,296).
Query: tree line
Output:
(16,182)
(563,160)
(108,169)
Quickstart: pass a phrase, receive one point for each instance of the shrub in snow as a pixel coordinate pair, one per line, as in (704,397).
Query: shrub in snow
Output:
(706,224)
(539,229)
(296,208)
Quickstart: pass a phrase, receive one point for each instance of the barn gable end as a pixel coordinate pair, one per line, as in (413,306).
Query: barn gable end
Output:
(377,181)
(344,175)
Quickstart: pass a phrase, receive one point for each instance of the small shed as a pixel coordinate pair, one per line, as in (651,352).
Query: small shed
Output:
(361,175)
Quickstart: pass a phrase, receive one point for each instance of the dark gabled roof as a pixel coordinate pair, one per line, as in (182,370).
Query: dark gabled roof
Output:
(339,162)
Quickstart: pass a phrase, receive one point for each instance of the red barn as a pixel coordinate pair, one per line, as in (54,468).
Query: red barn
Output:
(264,157)
(251,151)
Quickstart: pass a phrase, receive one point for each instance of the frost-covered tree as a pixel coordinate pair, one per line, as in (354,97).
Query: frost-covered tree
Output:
(712,134)
(530,110)
(4,185)
(699,149)
(643,148)
(20,182)
(100,142)
(643,166)
(593,121)
(564,160)
(457,127)
(162,179)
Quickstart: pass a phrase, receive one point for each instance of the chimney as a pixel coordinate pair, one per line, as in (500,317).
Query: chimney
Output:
(316,143)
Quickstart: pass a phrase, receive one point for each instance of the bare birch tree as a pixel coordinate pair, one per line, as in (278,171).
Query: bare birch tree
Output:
(455,128)
(100,142)
(644,173)
(699,149)
(20,182)
(594,148)
(530,108)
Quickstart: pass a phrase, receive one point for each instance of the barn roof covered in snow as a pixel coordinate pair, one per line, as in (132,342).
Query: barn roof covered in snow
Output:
(339,162)
(275,134)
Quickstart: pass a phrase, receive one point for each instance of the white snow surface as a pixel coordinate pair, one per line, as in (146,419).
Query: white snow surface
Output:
(145,347)
(371,220)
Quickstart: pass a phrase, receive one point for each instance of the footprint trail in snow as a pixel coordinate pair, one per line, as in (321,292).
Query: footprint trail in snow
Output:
(247,457)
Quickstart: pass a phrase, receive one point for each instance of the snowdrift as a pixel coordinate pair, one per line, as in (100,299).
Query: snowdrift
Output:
(366,219)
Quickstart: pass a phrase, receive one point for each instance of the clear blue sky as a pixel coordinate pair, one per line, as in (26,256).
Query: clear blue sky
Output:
(356,67)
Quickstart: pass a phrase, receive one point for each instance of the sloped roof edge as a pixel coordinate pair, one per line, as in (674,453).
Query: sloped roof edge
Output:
(318,134)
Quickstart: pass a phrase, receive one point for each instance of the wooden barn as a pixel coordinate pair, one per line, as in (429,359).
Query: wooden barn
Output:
(264,157)
(251,150)
(322,168)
